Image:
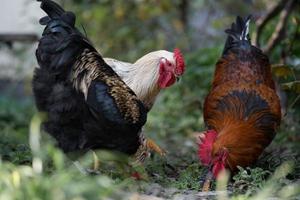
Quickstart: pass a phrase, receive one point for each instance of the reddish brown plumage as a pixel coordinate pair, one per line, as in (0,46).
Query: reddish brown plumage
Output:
(242,106)
(239,134)
(231,67)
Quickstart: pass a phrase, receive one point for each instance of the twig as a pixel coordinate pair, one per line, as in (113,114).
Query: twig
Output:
(294,102)
(260,23)
(277,36)
(207,182)
(296,35)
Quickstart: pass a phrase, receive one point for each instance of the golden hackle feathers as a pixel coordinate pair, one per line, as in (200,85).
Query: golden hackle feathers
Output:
(142,75)
(89,63)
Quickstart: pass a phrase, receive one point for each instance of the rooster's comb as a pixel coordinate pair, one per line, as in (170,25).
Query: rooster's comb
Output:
(206,146)
(180,66)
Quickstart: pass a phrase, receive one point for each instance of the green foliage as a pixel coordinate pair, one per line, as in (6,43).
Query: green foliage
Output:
(14,119)
(249,179)
(118,26)
(293,86)
(257,187)
(281,70)
(23,182)
(189,178)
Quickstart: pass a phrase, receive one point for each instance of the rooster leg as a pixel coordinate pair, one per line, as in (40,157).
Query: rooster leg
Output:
(151,145)
(207,182)
(146,146)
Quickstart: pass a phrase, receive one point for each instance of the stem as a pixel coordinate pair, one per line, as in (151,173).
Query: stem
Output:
(278,34)
(294,102)
(261,23)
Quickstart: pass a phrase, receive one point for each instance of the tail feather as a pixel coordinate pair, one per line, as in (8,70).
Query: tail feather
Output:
(52,9)
(61,41)
(238,32)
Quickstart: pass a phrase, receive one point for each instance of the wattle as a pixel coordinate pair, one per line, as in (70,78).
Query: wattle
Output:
(166,79)
(217,168)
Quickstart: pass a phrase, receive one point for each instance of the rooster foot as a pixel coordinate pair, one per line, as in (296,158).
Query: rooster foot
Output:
(152,146)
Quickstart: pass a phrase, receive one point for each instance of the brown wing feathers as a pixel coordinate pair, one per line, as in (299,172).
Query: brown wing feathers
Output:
(90,67)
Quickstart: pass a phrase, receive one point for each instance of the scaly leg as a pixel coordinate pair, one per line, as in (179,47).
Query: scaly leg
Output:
(151,145)
(146,146)
(207,182)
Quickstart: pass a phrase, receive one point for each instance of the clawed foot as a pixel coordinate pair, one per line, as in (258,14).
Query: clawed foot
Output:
(152,146)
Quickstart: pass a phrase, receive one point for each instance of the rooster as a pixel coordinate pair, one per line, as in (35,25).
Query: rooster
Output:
(242,110)
(157,63)
(87,103)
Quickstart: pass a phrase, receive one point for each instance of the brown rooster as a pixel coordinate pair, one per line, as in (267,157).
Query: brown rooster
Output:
(242,110)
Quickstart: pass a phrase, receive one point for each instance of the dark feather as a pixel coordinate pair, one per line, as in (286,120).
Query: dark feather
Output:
(238,34)
(246,104)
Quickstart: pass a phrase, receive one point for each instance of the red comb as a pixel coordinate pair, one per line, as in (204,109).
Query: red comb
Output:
(179,70)
(205,148)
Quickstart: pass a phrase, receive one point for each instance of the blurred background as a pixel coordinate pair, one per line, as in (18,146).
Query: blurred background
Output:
(126,30)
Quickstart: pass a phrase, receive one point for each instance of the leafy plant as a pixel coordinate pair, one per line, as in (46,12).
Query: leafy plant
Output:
(249,180)
(189,178)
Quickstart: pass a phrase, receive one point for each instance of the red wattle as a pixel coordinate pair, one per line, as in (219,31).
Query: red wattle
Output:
(217,168)
(166,79)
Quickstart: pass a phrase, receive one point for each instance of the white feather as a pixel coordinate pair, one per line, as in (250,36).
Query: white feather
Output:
(247,30)
(142,76)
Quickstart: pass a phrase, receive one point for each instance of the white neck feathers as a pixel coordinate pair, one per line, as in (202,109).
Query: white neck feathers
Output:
(142,76)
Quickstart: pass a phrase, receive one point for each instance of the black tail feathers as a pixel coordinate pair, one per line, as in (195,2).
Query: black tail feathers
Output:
(54,11)
(239,31)
(61,42)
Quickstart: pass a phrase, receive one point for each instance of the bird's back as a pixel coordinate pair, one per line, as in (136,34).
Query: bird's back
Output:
(241,61)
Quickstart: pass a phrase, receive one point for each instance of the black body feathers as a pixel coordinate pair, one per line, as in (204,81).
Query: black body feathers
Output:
(88,105)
